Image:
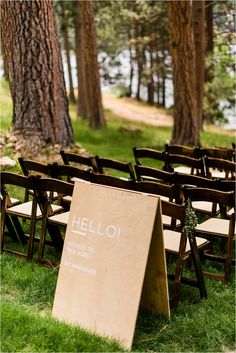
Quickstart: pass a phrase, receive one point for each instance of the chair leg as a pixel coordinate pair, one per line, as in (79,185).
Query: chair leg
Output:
(198,268)
(3,222)
(42,239)
(31,239)
(20,232)
(229,258)
(178,273)
(56,237)
(11,228)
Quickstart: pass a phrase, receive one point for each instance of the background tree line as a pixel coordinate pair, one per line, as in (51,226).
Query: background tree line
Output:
(188,42)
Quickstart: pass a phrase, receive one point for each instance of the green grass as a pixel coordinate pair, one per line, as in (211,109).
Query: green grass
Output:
(28,289)
(27,299)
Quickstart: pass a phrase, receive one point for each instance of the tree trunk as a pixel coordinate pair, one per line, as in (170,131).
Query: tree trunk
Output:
(96,113)
(34,66)
(67,50)
(199,41)
(139,60)
(151,81)
(209,49)
(186,129)
(163,74)
(131,61)
(83,104)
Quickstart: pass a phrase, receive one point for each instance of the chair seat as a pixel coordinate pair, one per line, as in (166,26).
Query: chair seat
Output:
(166,220)
(217,174)
(172,241)
(184,170)
(14,201)
(67,198)
(61,218)
(214,226)
(25,210)
(230,212)
(78,179)
(203,206)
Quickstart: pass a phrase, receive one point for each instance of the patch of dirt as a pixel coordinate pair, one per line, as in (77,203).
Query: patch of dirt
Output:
(130,109)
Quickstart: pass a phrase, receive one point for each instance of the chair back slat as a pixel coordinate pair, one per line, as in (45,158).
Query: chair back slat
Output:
(149,154)
(104,164)
(196,164)
(148,173)
(58,171)
(30,167)
(82,161)
(225,198)
(182,150)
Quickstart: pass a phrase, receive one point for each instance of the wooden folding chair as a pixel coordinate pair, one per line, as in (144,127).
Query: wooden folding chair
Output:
(179,244)
(108,166)
(26,210)
(166,193)
(150,157)
(184,164)
(217,228)
(30,167)
(79,161)
(219,168)
(51,222)
(202,207)
(70,174)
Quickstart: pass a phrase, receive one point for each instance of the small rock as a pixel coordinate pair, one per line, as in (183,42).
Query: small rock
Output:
(7,162)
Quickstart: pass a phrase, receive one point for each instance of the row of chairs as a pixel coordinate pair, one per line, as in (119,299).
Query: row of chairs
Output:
(55,216)
(198,152)
(206,167)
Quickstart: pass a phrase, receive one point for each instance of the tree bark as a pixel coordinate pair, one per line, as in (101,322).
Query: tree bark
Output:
(67,51)
(96,113)
(186,129)
(199,41)
(33,62)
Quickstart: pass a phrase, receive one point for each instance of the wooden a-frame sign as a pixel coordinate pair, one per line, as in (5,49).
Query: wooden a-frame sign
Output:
(113,261)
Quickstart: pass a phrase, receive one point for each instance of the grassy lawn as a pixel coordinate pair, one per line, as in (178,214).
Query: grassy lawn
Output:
(27,289)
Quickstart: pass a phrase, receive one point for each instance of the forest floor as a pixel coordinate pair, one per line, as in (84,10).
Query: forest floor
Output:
(130,109)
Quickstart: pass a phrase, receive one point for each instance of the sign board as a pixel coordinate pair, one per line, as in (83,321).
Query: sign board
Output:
(113,261)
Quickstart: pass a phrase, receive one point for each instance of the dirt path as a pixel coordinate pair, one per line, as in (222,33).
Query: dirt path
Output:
(129,109)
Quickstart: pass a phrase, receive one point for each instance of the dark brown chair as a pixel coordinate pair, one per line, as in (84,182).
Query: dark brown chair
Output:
(12,214)
(178,244)
(203,207)
(79,161)
(217,228)
(51,222)
(30,167)
(70,174)
(108,165)
(184,164)
(219,168)
(150,157)
(166,193)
